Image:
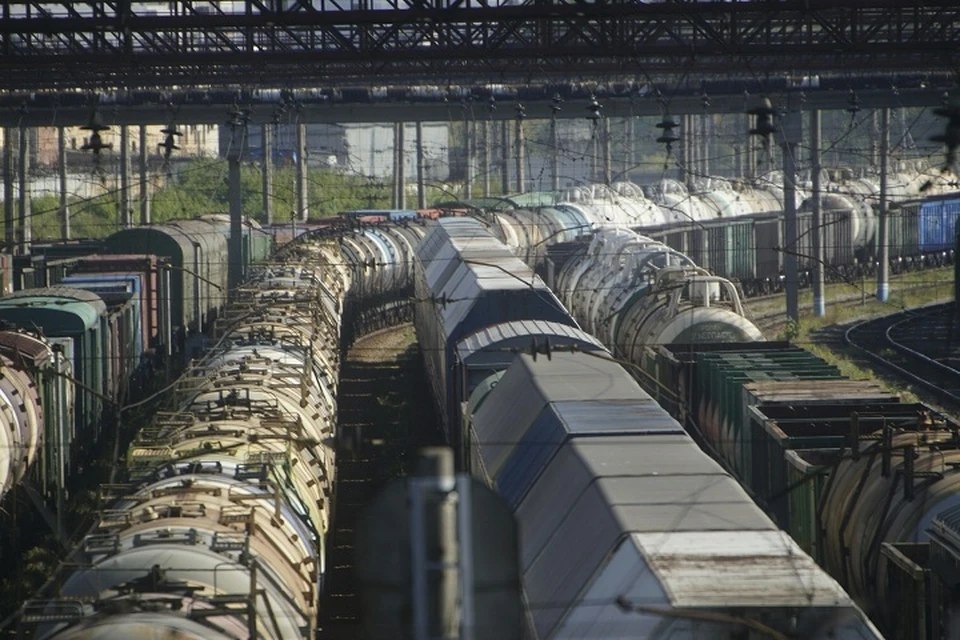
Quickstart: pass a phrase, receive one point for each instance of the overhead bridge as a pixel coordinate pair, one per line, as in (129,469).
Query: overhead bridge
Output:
(100,44)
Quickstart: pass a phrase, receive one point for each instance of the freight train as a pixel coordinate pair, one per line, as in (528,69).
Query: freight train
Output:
(219,529)
(627,528)
(735,229)
(853,473)
(86,341)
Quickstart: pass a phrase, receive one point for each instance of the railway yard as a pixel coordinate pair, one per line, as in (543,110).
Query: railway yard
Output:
(317,351)
(471,320)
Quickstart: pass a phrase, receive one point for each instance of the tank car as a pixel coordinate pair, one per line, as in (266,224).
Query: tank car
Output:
(35,410)
(632,291)
(892,491)
(220,531)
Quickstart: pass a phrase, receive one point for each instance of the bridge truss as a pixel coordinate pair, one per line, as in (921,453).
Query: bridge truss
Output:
(98,45)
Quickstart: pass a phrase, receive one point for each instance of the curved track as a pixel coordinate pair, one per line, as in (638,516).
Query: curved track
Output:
(915,345)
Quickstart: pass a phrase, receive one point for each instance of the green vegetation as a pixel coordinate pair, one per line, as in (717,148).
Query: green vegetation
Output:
(200,187)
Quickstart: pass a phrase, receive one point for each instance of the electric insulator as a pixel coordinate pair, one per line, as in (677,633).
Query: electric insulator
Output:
(764,126)
(169,144)
(521,112)
(555,103)
(669,136)
(492,104)
(951,135)
(238,117)
(854,104)
(95,126)
(594,109)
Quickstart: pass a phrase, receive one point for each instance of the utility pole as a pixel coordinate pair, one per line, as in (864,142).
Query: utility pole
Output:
(421,172)
(486,158)
(235,247)
(433,536)
(521,150)
(144,184)
(62,173)
(23,212)
(505,157)
(468,169)
(9,225)
(816,223)
(125,177)
(266,146)
(436,554)
(401,177)
(303,186)
(883,269)
(792,130)
(554,145)
(607,153)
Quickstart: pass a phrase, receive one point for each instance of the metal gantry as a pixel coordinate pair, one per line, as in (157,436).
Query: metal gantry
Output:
(129,45)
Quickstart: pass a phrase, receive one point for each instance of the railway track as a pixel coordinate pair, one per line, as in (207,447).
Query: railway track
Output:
(384,417)
(767,320)
(914,345)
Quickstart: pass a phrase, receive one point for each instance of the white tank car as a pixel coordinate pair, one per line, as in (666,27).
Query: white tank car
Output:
(684,306)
